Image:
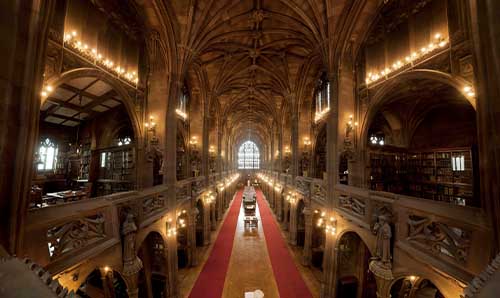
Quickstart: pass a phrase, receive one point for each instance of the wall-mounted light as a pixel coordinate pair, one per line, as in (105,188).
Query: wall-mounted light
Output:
(351,124)
(437,43)
(307,141)
(80,47)
(151,124)
(47,89)
(287,150)
(469,92)
(211,149)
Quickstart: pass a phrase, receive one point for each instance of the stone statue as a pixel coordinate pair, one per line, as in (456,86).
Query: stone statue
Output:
(131,262)
(383,231)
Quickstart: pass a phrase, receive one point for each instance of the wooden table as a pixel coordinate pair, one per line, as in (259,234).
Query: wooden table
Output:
(251,221)
(69,195)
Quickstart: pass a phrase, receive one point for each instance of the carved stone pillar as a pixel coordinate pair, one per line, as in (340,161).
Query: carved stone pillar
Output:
(206,224)
(132,265)
(191,237)
(213,221)
(279,206)
(25,25)
(172,281)
(486,36)
(132,285)
(292,230)
(286,221)
(307,252)
(107,282)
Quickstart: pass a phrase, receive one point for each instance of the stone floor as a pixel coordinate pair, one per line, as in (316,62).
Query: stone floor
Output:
(249,267)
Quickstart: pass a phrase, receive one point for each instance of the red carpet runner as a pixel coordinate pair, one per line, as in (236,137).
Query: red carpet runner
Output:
(289,281)
(210,282)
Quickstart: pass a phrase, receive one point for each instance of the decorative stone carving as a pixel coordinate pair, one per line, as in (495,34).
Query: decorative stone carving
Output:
(131,262)
(382,229)
(152,204)
(319,192)
(439,237)
(352,204)
(303,186)
(75,234)
(484,280)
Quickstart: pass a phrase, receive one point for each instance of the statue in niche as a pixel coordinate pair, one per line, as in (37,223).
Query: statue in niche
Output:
(131,262)
(383,231)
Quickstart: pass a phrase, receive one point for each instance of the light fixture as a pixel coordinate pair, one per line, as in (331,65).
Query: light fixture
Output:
(437,43)
(83,49)
(181,113)
(319,115)
(469,91)
(377,140)
(307,141)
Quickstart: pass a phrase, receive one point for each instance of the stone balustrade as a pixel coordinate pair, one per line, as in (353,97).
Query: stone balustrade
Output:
(449,237)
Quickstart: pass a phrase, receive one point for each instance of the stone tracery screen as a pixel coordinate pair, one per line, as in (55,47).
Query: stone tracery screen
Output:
(248,156)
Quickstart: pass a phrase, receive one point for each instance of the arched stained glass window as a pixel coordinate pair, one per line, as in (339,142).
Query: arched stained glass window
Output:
(248,156)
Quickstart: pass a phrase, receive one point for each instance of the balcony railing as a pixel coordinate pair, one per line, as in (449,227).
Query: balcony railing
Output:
(451,238)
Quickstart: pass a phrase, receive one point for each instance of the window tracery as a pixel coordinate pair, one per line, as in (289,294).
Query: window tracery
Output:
(248,156)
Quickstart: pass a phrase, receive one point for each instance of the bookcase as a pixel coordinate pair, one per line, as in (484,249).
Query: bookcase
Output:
(444,174)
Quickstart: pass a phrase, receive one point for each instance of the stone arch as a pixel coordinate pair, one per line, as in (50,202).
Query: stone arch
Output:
(153,277)
(353,255)
(92,283)
(419,274)
(124,96)
(380,96)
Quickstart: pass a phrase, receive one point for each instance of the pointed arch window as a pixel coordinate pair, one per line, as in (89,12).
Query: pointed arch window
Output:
(47,156)
(322,98)
(248,156)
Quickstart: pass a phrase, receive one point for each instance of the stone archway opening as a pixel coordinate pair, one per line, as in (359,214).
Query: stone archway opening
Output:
(354,279)
(421,141)
(414,287)
(200,224)
(87,144)
(153,276)
(103,282)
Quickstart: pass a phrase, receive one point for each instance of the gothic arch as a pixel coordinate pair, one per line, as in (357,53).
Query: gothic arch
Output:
(380,96)
(124,96)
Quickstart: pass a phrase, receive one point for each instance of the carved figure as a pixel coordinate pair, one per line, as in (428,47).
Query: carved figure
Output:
(131,263)
(384,234)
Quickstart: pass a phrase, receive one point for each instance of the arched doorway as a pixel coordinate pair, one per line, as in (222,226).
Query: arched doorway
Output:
(421,141)
(182,240)
(414,287)
(318,240)
(354,277)
(200,223)
(301,223)
(103,282)
(153,276)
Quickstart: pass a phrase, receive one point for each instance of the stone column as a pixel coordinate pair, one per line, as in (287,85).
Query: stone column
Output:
(172,280)
(486,40)
(279,206)
(132,285)
(206,223)
(213,221)
(292,230)
(329,261)
(106,276)
(191,237)
(24,28)
(286,222)
(307,252)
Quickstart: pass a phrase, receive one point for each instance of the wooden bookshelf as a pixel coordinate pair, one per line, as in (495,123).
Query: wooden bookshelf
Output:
(441,174)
